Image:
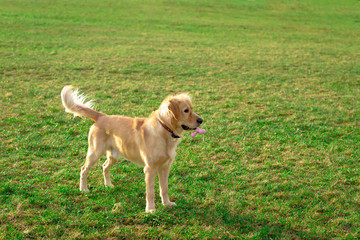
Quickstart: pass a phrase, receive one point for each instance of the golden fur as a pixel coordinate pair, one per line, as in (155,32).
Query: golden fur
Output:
(144,141)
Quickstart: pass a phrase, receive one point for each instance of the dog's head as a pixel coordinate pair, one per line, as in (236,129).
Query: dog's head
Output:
(179,112)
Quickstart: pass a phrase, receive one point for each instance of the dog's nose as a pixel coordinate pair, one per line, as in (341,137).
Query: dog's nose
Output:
(199,120)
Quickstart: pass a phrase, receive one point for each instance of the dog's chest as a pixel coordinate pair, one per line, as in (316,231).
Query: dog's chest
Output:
(171,147)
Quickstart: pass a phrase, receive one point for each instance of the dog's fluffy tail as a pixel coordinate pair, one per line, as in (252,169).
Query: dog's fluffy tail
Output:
(75,102)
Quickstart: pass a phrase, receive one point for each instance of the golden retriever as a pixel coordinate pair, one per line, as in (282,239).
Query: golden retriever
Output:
(149,142)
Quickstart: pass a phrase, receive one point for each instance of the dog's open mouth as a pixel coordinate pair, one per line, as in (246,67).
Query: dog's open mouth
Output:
(187,128)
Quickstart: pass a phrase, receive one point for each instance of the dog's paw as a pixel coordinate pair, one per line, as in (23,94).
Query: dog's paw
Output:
(110,185)
(85,190)
(152,210)
(170,204)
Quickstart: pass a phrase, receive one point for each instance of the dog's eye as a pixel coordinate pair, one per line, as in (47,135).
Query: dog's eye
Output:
(186,110)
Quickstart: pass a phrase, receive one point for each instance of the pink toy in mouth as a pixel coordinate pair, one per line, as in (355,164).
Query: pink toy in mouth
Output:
(198,130)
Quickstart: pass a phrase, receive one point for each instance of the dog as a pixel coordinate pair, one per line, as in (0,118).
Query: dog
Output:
(149,142)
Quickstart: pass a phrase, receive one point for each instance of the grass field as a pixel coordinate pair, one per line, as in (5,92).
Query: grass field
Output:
(277,83)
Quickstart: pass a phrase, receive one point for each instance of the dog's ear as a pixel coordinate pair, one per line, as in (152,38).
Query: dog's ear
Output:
(174,107)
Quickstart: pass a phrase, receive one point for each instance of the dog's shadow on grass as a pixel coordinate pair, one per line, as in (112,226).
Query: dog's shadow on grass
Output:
(130,205)
(129,210)
(219,217)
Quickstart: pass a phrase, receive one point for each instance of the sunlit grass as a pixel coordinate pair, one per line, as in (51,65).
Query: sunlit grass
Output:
(277,83)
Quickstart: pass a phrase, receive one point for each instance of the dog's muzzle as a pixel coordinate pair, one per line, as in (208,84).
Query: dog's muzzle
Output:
(199,121)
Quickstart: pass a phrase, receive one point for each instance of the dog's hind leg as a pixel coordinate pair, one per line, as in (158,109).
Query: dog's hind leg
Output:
(111,160)
(95,151)
(91,159)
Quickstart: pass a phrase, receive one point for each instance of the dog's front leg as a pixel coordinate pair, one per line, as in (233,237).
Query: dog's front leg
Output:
(163,180)
(150,194)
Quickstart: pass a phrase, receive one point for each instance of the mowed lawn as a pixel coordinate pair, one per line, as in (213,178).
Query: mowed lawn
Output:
(276,82)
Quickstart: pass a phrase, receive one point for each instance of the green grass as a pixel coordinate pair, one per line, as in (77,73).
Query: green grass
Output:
(277,83)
